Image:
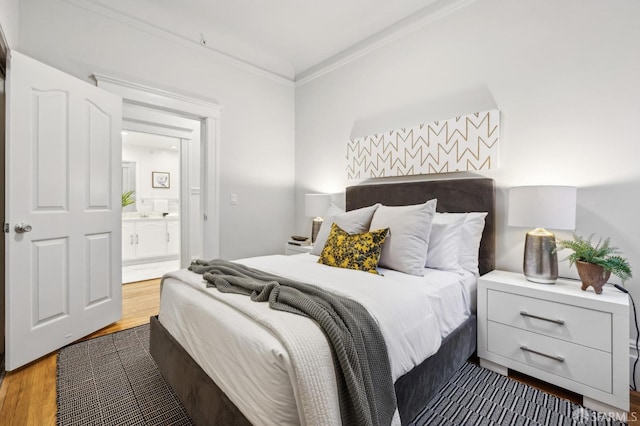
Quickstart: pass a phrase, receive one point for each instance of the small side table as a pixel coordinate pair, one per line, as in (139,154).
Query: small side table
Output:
(557,333)
(290,249)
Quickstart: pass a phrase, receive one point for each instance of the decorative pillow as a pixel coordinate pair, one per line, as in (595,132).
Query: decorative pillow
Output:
(445,241)
(352,222)
(405,249)
(359,251)
(470,241)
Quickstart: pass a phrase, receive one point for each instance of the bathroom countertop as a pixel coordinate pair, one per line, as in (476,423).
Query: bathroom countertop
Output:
(149,218)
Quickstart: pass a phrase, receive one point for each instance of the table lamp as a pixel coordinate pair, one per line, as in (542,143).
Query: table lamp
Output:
(542,207)
(314,206)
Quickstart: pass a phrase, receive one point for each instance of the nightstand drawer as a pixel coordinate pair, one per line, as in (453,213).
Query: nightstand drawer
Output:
(583,326)
(577,363)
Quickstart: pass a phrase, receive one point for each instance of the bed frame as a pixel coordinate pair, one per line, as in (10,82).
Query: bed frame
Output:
(207,404)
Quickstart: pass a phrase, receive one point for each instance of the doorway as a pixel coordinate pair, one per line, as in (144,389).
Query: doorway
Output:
(151,199)
(201,207)
(161,162)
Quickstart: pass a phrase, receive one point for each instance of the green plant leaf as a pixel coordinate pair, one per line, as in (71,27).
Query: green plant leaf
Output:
(128,198)
(602,254)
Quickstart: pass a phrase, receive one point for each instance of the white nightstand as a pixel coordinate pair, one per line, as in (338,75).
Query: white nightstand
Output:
(557,333)
(290,249)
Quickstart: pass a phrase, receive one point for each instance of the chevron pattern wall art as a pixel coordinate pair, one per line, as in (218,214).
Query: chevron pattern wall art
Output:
(464,143)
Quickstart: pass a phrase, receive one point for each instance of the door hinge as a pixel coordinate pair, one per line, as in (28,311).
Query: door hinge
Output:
(6,228)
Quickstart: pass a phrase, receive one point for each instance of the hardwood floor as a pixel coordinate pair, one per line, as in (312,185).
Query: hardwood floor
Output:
(28,395)
(634,413)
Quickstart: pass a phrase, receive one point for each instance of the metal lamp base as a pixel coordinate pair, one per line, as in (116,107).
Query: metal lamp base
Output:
(315,228)
(540,258)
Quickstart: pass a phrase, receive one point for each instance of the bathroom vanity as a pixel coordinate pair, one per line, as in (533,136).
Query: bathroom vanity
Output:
(149,239)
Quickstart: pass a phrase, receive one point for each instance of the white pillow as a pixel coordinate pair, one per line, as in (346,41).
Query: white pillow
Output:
(405,248)
(470,241)
(332,211)
(352,222)
(445,241)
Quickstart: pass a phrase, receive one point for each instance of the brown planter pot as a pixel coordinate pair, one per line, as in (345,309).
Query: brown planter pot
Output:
(592,275)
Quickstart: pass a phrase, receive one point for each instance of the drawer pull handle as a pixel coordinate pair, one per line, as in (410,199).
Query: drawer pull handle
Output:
(554,357)
(555,321)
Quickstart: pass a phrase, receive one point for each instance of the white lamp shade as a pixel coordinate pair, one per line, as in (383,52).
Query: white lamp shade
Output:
(316,204)
(552,207)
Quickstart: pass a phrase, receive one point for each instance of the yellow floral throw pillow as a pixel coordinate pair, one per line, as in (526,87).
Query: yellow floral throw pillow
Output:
(358,251)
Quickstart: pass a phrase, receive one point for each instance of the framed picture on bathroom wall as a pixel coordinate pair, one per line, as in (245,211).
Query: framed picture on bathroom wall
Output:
(160,180)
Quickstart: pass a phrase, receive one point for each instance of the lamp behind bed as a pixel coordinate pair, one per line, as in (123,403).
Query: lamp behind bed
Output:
(315,205)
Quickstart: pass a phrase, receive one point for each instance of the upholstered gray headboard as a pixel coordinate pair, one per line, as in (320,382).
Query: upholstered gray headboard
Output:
(454,196)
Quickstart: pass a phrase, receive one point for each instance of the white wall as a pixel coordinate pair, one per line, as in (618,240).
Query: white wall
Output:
(9,21)
(150,160)
(257,123)
(564,75)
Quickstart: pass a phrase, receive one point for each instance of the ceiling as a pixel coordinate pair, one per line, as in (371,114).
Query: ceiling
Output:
(285,37)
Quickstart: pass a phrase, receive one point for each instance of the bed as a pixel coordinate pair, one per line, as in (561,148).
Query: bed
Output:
(207,403)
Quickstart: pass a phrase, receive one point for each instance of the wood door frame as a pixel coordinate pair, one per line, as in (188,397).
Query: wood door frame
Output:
(208,113)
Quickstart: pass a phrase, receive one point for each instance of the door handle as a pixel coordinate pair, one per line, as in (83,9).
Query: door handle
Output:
(21,228)
(168,237)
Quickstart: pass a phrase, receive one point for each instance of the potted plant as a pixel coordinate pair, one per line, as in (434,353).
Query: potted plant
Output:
(128,198)
(595,264)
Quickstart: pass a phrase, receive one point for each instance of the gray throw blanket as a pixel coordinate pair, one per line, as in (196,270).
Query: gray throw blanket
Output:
(365,387)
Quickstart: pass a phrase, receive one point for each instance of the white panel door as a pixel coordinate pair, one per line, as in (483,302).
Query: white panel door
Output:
(63,168)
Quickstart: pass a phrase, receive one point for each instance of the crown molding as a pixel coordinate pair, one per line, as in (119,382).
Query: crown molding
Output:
(155,30)
(161,98)
(406,26)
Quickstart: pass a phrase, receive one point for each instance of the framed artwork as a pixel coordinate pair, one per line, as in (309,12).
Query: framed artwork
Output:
(463,143)
(160,180)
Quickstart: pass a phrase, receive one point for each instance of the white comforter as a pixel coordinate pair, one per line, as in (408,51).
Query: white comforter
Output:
(254,368)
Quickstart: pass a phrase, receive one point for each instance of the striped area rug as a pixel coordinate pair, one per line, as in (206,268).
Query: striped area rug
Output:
(112,380)
(477,396)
